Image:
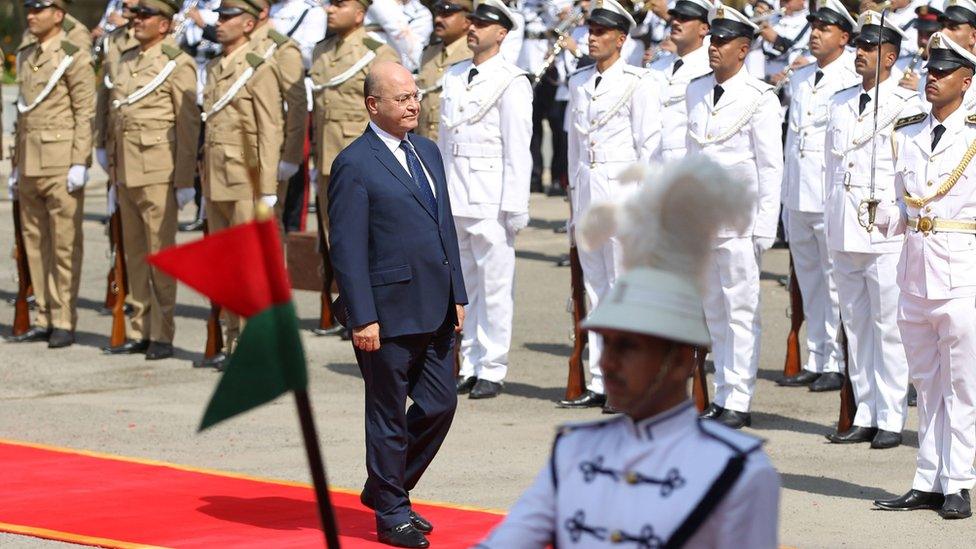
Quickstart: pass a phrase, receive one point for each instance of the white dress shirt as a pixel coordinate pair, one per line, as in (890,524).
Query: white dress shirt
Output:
(392,142)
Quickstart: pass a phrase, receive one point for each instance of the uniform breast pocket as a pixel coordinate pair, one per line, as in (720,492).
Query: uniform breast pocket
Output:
(156,148)
(962,259)
(961,188)
(55,148)
(485,180)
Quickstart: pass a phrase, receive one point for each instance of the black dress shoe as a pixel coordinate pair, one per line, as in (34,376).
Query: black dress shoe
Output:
(563,261)
(215,361)
(555,190)
(912,501)
(130,347)
(853,435)
(712,412)
(60,339)
(801,379)
(886,439)
(912,396)
(158,350)
(34,334)
(465,384)
(588,399)
(735,420)
(831,381)
(957,506)
(195,225)
(420,523)
(607,409)
(338,329)
(403,535)
(485,389)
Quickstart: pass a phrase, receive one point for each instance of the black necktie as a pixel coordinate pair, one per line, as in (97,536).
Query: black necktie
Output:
(717,94)
(471,74)
(817,77)
(937,135)
(864,102)
(597,83)
(417,174)
(676,66)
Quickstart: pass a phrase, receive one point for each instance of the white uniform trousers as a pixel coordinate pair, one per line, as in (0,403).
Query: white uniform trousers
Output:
(940,339)
(601,267)
(731,303)
(488,266)
(868,294)
(813,266)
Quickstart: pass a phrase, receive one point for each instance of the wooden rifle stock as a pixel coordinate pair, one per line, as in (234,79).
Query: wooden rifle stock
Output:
(24,290)
(791,366)
(699,383)
(575,382)
(848,406)
(118,283)
(326,320)
(215,337)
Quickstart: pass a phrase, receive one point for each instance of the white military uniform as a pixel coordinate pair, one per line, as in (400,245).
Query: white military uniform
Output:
(612,121)
(405,25)
(484,134)
(305,21)
(905,20)
(540,16)
(865,263)
(674,85)
(512,43)
(741,133)
(793,27)
(619,482)
(936,313)
(804,194)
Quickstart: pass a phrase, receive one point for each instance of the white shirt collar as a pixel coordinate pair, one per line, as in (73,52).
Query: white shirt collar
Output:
(953,123)
(391,141)
(661,425)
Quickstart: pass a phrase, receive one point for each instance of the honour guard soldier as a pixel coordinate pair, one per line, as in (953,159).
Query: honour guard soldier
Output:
(689,27)
(937,276)
(449,47)
(656,475)
(929,21)
(485,129)
(242,132)
(53,151)
(783,40)
(959,25)
(865,263)
(810,90)
(613,121)
(339,67)
(902,15)
(156,124)
(116,42)
(734,119)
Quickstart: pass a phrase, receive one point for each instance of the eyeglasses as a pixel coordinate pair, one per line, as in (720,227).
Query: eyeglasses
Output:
(404,99)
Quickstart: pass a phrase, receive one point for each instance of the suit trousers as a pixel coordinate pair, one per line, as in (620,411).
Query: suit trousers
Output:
(731,302)
(601,268)
(149,225)
(940,340)
(814,272)
(222,215)
(401,442)
(51,220)
(877,367)
(488,266)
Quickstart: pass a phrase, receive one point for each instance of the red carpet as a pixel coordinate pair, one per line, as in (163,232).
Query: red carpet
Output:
(110,501)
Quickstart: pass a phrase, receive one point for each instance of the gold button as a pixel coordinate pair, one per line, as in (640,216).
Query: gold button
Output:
(461,109)
(814,92)
(592,165)
(616,536)
(801,155)
(34,68)
(332,64)
(593,143)
(592,121)
(632,477)
(709,136)
(57,136)
(134,73)
(850,164)
(929,183)
(809,113)
(928,209)
(440,69)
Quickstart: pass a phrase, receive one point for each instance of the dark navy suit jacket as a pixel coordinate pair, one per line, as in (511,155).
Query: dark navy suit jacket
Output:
(396,261)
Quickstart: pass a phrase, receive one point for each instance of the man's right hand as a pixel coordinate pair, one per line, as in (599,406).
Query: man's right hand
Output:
(367,338)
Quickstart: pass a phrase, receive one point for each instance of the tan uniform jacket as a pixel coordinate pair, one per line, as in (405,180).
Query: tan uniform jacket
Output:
(75,32)
(436,59)
(58,132)
(117,42)
(339,115)
(254,117)
(290,72)
(156,136)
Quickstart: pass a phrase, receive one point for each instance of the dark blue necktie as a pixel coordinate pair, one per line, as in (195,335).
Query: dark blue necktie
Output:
(417,174)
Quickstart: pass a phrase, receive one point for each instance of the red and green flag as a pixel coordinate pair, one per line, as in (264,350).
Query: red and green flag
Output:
(242,270)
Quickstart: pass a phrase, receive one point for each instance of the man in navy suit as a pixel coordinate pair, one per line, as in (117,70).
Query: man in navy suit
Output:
(394,250)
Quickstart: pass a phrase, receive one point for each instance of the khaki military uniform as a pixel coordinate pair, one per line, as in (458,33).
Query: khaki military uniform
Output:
(242,141)
(117,42)
(436,59)
(155,150)
(338,113)
(53,136)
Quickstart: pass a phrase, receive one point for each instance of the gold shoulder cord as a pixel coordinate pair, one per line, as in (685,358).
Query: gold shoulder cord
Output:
(949,183)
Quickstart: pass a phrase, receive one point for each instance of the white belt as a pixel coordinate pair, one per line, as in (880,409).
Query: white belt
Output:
(476,150)
(625,155)
(927,225)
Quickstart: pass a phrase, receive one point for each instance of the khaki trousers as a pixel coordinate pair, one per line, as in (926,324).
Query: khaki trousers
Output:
(149,225)
(51,219)
(222,215)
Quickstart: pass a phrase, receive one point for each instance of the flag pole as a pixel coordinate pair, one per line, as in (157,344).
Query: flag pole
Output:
(311,440)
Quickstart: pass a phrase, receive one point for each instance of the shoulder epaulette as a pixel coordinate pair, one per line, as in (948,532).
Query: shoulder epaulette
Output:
(567,428)
(434,43)
(277,37)
(709,73)
(171,51)
(67,24)
(372,43)
(847,88)
(909,120)
(581,69)
(68,47)
(971,119)
(736,441)
(254,59)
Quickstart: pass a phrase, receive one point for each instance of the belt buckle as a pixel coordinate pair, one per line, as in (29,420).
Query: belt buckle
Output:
(925,225)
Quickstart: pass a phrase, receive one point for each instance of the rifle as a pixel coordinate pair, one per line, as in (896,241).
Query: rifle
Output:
(791,366)
(24,289)
(848,405)
(110,279)
(575,381)
(327,323)
(118,281)
(699,387)
(215,337)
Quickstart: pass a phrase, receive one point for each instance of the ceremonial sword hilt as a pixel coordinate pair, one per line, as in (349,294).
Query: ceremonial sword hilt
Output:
(871,205)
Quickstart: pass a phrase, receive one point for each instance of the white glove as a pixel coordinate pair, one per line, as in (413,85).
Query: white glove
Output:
(12,184)
(882,217)
(516,221)
(101,156)
(77,177)
(762,243)
(269,200)
(286,170)
(184,196)
(113,199)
